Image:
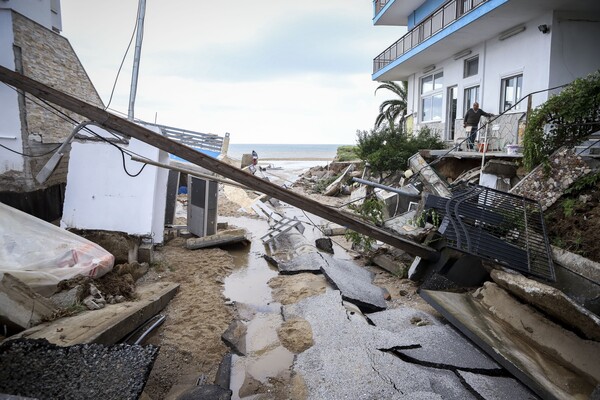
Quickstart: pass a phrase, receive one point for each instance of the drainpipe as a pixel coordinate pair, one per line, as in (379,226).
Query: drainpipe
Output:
(136,57)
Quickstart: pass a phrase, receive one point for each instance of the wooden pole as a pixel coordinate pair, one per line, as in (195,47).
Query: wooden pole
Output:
(110,121)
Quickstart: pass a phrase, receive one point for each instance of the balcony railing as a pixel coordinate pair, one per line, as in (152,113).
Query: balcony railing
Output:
(379,4)
(441,18)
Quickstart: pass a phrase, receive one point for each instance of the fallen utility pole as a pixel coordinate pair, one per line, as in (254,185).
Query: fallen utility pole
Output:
(110,121)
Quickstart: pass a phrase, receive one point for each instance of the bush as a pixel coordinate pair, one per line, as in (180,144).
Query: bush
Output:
(574,114)
(388,150)
(346,153)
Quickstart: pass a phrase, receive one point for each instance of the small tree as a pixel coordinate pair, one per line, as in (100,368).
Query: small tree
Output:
(393,109)
(388,150)
(573,114)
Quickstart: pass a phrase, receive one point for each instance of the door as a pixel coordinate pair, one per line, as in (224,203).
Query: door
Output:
(451,102)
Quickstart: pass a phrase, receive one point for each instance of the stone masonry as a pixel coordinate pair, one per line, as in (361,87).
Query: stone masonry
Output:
(48,57)
(565,168)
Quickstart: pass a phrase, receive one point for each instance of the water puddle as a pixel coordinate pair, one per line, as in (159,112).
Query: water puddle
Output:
(247,286)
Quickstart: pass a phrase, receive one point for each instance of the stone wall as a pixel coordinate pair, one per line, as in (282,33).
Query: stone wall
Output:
(45,56)
(547,187)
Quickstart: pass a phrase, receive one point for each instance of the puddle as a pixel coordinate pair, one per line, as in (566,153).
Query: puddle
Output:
(247,284)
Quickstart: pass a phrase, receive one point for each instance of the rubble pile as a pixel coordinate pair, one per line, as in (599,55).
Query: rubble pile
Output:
(547,187)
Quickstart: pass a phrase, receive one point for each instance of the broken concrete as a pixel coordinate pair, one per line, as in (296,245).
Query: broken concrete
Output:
(553,362)
(226,237)
(108,325)
(355,284)
(335,186)
(21,306)
(324,244)
(346,360)
(307,262)
(551,301)
(495,387)
(235,337)
(391,264)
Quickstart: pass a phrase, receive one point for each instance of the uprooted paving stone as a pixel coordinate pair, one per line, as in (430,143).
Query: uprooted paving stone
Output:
(39,369)
(349,358)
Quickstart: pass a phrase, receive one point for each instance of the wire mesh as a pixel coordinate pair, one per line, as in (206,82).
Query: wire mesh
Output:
(498,226)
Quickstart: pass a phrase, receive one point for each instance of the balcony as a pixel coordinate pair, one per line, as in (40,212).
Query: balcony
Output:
(438,20)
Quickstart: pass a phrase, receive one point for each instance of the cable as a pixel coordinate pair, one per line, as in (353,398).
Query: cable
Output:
(30,155)
(68,118)
(123,61)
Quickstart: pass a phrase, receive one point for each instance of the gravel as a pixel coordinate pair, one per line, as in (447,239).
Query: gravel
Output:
(43,370)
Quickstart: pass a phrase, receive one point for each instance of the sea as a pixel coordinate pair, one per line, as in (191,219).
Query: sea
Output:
(319,152)
(283,163)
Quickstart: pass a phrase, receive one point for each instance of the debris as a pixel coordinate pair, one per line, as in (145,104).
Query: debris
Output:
(20,305)
(521,341)
(335,186)
(108,325)
(324,244)
(552,301)
(226,237)
(235,337)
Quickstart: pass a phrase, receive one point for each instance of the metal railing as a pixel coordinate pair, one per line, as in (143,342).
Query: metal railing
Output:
(379,4)
(439,19)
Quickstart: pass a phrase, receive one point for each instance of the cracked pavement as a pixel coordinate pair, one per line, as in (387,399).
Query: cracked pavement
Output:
(386,355)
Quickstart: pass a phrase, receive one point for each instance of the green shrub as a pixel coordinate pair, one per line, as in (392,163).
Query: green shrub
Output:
(371,209)
(388,150)
(574,114)
(346,153)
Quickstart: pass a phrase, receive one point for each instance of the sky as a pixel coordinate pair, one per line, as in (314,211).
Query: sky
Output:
(265,71)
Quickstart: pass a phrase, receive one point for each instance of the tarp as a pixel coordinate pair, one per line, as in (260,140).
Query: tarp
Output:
(41,254)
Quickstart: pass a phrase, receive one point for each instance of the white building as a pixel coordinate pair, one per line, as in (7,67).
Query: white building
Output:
(495,52)
(30,44)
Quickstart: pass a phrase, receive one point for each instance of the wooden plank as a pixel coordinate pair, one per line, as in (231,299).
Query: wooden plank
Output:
(107,325)
(110,121)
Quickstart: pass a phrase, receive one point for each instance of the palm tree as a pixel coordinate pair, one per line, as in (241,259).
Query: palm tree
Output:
(391,110)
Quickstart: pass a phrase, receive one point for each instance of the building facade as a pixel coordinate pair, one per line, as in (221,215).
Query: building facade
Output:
(495,52)
(30,43)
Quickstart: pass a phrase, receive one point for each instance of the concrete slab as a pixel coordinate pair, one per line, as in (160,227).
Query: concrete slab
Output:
(20,305)
(355,283)
(108,325)
(519,340)
(496,387)
(439,344)
(306,262)
(345,360)
(552,301)
(226,237)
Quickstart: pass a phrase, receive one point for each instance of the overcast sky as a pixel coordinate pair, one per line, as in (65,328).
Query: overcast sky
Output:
(265,71)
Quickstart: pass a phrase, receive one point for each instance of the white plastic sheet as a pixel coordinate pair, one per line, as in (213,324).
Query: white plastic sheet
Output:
(41,254)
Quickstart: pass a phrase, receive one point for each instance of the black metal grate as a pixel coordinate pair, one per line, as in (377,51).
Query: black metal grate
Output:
(494,225)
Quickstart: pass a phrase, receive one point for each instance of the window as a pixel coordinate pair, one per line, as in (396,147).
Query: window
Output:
(471,96)
(471,66)
(511,92)
(431,97)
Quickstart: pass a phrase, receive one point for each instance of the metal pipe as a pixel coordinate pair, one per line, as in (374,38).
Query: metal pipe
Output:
(388,188)
(136,56)
(147,331)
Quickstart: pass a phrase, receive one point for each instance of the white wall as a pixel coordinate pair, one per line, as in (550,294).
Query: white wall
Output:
(575,47)
(10,125)
(39,11)
(101,196)
(527,53)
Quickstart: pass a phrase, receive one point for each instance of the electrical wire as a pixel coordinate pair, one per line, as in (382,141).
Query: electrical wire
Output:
(59,113)
(30,155)
(112,92)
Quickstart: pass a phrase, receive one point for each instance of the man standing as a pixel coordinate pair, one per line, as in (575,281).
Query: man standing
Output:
(471,121)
